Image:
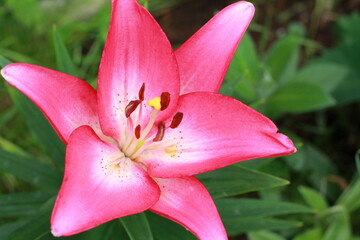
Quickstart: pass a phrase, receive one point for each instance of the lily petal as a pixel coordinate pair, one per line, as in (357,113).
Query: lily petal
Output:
(216,131)
(68,102)
(136,52)
(187,202)
(95,189)
(204,59)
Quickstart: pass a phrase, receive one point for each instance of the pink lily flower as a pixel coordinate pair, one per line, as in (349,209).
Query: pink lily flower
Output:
(155,121)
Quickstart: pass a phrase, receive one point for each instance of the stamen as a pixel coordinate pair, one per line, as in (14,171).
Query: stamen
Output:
(138,139)
(138,131)
(141,92)
(165,100)
(131,107)
(176,120)
(160,133)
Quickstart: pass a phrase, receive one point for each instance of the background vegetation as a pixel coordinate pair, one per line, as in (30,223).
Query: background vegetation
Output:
(299,64)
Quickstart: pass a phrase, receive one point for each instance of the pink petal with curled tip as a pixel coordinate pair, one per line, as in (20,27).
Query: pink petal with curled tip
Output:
(204,59)
(136,52)
(187,202)
(216,131)
(94,189)
(68,102)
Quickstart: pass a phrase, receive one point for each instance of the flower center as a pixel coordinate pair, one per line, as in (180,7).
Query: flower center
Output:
(138,138)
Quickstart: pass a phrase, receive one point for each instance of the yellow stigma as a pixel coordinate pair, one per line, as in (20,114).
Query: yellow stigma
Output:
(155,103)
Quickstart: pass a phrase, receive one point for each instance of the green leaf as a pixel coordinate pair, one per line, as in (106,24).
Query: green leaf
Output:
(7,115)
(91,58)
(137,226)
(235,179)
(350,198)
(313,234)
(164,229)
(315,172)
(264,235)
(325,75)
(247,215)
(339,228)
(30,170)
(349,89)
(8,228)
(144,3)
(313,198)
(22,204)
(107,231)
(4,61)
(245,63)
(27,11)
(16,56)
(282,58)
(299,97)
(244,72)
(244,208)
(37,226)
(11,147)
(63,60)
(242,225)
(257,163)
(39,127)
(346,53)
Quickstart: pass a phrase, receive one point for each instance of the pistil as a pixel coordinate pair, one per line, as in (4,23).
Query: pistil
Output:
(150,124)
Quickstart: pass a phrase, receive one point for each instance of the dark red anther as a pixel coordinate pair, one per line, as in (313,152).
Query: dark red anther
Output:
(131,107)
(165,100)
(176,120)
(138,131)
(160,133)
(141,92)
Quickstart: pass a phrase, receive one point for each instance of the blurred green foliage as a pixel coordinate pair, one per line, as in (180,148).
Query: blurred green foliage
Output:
(277,85)
(69,35)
